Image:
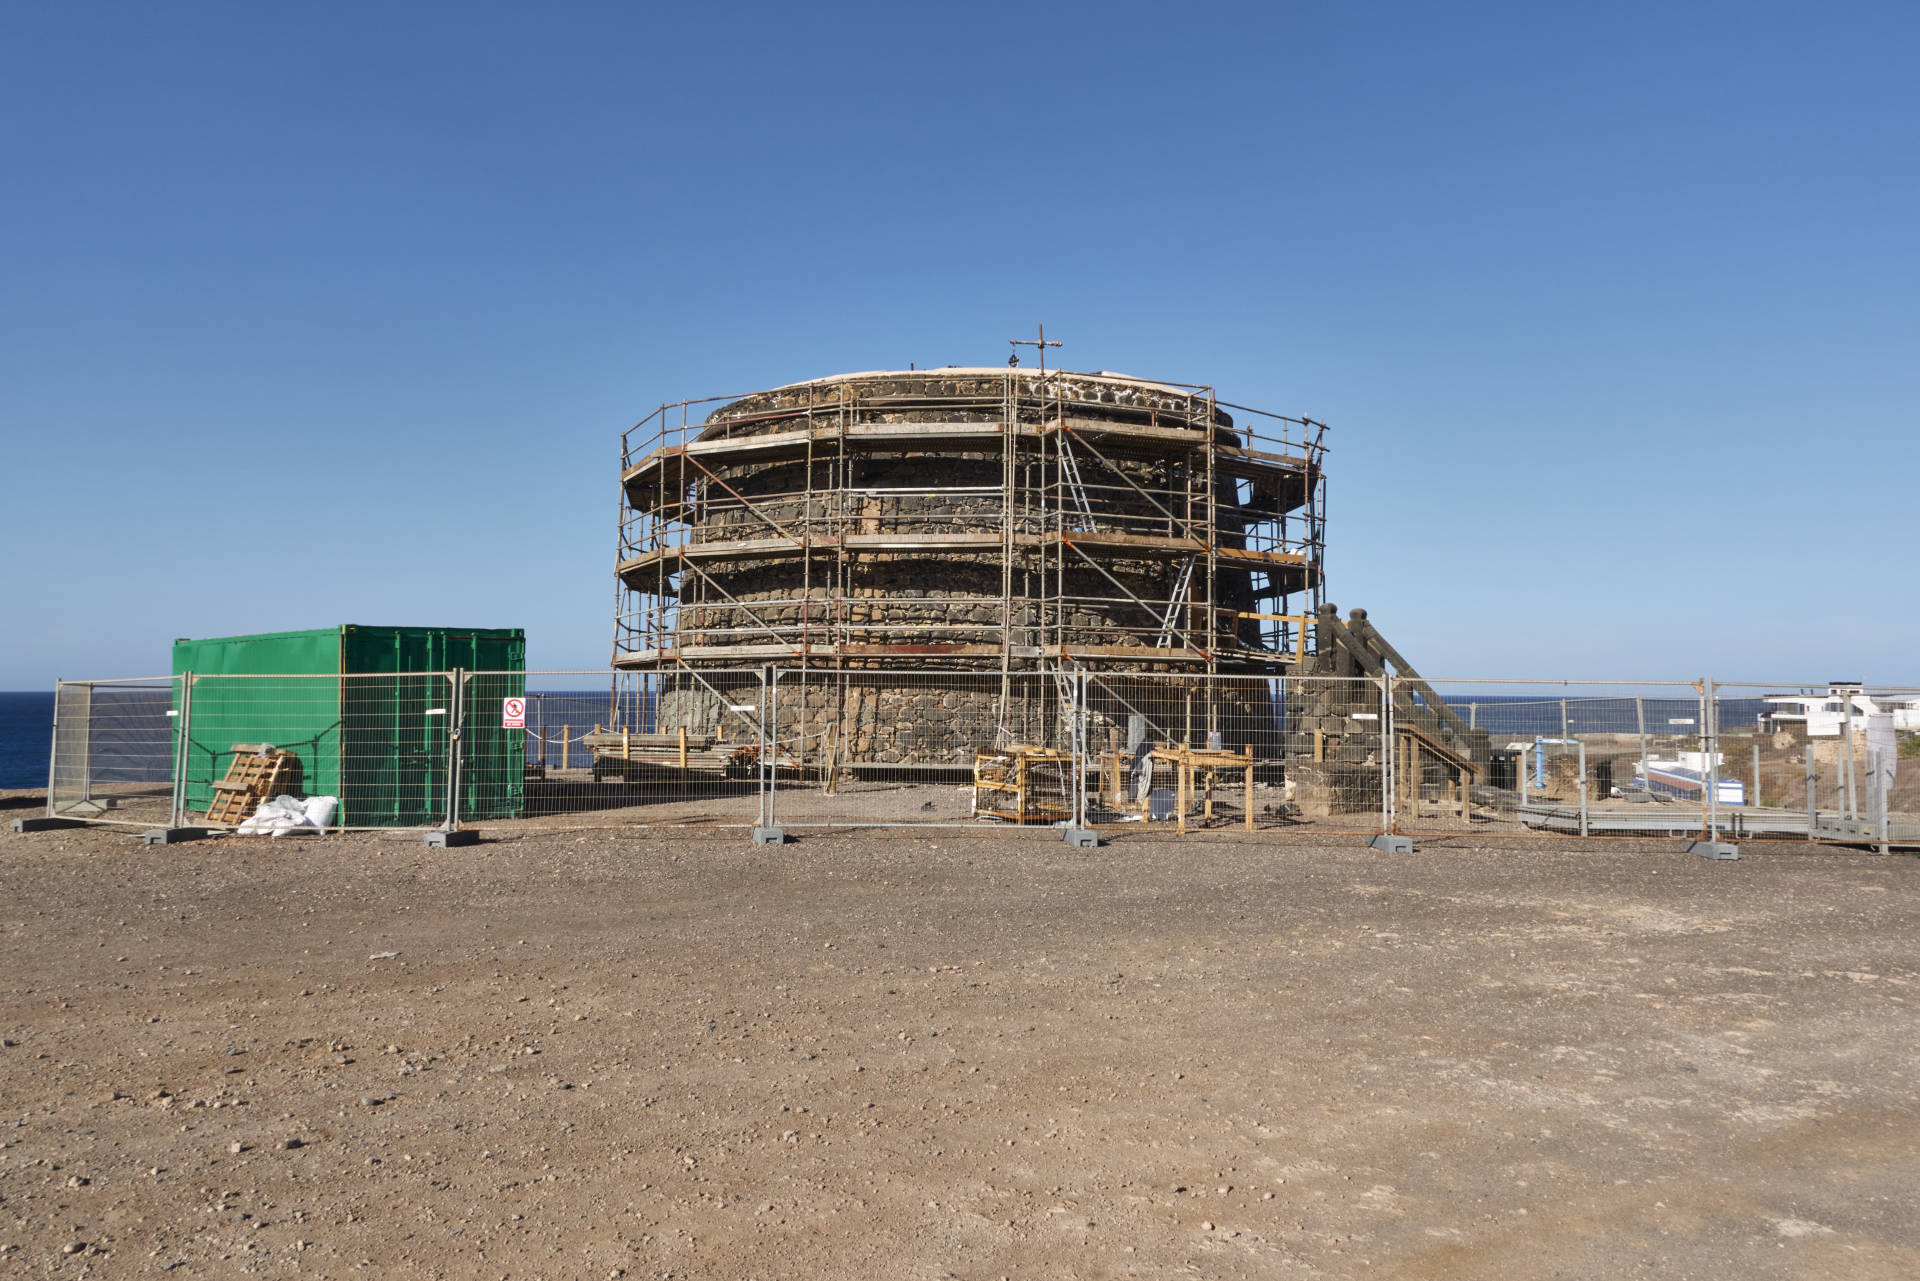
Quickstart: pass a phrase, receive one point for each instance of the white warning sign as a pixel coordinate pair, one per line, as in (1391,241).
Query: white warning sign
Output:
(513,713)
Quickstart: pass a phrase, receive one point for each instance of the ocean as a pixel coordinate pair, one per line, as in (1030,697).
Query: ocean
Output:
(26,737)
(1530,715)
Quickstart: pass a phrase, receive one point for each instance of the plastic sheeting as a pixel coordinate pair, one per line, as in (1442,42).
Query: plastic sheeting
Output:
(284,814)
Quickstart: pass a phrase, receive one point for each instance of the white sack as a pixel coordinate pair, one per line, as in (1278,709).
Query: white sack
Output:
(320,810)
(277,817)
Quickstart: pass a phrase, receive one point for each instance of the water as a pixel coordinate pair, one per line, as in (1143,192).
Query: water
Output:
(26,738)
(577,712)
(1528,715)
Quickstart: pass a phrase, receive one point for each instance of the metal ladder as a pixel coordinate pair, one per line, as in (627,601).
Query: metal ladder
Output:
(1181,586)
(1070,473)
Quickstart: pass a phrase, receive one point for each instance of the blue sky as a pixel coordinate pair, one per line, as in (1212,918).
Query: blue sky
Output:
(335,314)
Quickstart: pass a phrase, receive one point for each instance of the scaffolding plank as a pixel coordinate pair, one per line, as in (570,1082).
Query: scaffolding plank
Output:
(634,569)
(1127,437)
(771,445)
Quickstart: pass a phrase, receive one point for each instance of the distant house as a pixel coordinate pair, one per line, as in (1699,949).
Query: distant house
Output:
(1823,715)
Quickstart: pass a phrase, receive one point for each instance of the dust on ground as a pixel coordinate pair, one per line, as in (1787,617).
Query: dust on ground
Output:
(954,1054)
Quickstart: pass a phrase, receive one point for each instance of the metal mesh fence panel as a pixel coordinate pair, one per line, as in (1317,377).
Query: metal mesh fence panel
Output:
(378,745)
(1246,751)
(593,749)
(813,748)
(881,748)
(1573,759)
(1820,762)
(114,745)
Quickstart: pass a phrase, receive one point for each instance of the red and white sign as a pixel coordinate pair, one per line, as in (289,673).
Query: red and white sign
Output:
(513,713)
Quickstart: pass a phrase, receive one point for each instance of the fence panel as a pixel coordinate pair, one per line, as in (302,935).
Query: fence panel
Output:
(811,748)
(600,749)
(885,748)
(114,744)
(1818,761)
(380,745)
(1259,752)
(1579,758)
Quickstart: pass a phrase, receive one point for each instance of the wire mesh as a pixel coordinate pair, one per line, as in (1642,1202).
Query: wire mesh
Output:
(887,747)
(595,749)
(1586,759)
(1823,761)
(114,743)
(379,745)
(1249,751)
(882,748)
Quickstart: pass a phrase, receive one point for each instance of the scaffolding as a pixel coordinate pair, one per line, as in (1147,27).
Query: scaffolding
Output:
(1018,520)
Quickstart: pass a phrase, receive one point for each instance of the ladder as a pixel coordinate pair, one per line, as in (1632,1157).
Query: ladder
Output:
(1181,586)
(1070,474)
(1064,685)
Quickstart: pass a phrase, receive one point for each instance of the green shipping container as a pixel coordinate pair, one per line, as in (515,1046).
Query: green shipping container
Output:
(367,712)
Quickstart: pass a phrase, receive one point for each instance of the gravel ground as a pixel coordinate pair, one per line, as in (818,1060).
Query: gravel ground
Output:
(954,1054)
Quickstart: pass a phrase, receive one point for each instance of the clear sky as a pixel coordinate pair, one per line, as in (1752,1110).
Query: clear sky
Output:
(335,313)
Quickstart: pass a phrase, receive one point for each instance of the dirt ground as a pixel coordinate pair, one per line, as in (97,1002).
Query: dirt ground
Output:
(954,1054)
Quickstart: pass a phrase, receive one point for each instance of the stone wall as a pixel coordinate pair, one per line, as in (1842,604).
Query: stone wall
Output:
(903,719)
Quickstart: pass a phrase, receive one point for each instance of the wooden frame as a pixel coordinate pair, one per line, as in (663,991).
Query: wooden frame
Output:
(1005,786)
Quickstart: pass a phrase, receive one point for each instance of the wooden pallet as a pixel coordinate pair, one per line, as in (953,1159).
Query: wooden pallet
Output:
(256,773)
(1023,784)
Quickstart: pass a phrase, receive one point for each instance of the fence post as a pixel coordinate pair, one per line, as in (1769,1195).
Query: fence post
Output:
(769,731)
(456,720)
(1806,760)
(1710,764)
(1640,716)
(1582,745)
(1389,810)
(1703,736)
(1883,776)
(1081,724)
(183,745)
(767,831)
(1850,796)
(53,751)
(86,750)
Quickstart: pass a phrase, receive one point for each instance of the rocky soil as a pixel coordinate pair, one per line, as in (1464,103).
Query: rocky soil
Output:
(954,1054)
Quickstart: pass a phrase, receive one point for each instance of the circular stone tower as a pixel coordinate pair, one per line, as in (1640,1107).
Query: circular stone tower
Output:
(969,519)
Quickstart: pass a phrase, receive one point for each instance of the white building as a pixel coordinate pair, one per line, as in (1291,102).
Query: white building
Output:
(1824,714)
